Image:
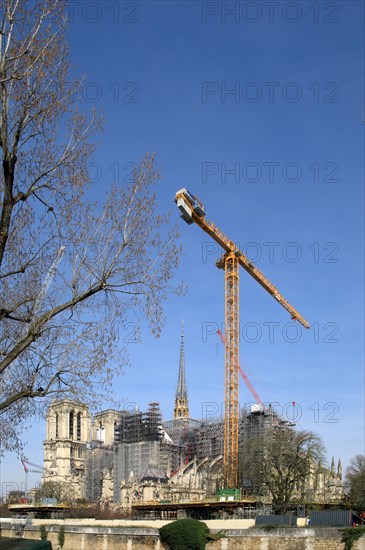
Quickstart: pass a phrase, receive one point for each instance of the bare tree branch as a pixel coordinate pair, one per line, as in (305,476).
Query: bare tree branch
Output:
(59,329)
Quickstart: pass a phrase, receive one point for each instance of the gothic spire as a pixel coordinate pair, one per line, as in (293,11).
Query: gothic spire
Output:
(181,398)
(333,466)
(181,384)
(339,469)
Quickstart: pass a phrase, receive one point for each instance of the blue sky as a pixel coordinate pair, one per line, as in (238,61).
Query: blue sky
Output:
(259,113)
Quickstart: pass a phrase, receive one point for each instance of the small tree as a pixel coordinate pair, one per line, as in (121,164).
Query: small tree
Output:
(43,532)
(185,534)
(63,492)
(61,537)
(15,496)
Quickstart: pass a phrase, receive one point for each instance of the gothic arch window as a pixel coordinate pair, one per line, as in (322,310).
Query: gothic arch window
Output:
(71,430)
(56,425)
(79,426)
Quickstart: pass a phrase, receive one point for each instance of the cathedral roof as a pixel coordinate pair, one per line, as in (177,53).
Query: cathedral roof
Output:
(153,473)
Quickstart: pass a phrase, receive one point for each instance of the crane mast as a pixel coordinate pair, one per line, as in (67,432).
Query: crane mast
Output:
(48,280)
(192,211)
(231,363)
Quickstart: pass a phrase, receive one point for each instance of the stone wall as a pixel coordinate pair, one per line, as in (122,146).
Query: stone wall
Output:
(85,537)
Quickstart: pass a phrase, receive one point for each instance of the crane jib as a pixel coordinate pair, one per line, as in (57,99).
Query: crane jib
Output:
(248,266)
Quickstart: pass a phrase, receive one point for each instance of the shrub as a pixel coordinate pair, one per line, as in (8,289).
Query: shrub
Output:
(42,532)
(185,534)
(350,535)
(94,511)
(61,537)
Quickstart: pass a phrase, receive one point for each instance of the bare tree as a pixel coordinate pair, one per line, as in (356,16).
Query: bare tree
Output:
(279,463)
(70,270)
(63,492)
(355,482)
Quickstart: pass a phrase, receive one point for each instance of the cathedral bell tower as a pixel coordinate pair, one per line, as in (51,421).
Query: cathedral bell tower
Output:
(65,446)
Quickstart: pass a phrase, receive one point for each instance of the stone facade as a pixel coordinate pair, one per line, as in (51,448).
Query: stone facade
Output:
(65,447)
(324,484)
(104,426)
(77,450)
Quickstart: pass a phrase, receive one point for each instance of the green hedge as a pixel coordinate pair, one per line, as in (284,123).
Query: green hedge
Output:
(185,534)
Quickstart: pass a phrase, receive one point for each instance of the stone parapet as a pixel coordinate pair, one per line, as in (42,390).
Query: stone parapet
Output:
(133,537)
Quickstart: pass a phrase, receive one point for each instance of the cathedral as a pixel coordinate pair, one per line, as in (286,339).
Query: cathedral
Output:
(126,457)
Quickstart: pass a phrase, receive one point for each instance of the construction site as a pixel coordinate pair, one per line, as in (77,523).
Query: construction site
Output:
(165,469)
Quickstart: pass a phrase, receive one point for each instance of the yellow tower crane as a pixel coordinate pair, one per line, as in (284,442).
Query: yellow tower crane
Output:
(192,211)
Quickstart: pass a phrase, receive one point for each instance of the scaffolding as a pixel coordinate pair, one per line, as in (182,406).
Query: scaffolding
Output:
(99,461)
(142,442)
(140,426)
(180,432)
(260,423)
(208,440)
